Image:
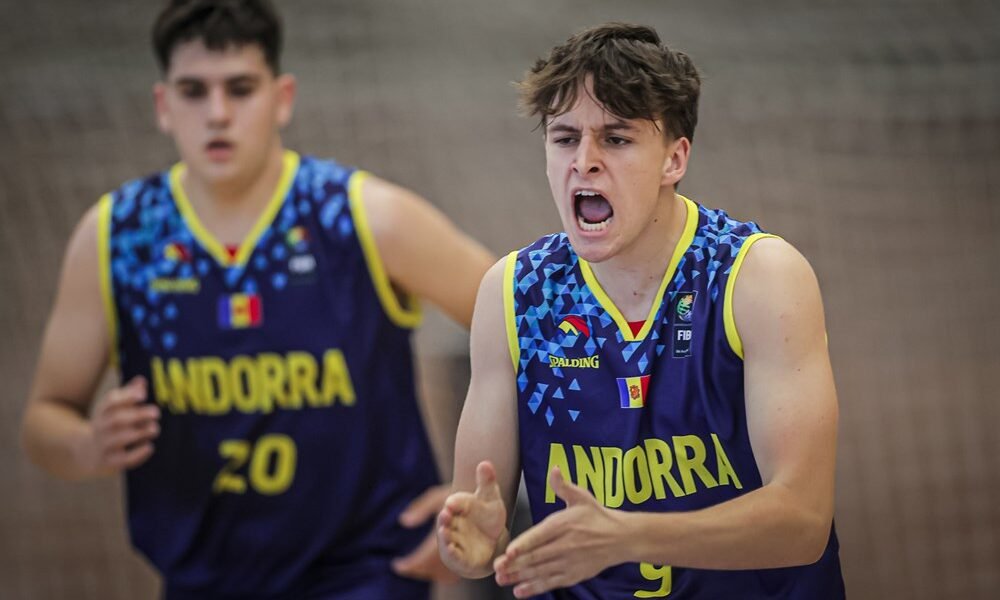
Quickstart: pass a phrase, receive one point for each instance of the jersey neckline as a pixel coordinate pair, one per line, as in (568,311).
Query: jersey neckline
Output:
(687,236)
(290,164)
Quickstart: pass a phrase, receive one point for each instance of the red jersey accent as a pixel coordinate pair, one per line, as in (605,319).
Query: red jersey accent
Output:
(636,326)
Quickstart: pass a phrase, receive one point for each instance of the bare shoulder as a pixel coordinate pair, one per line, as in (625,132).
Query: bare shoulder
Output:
(773,260)
(390,207)
(81,258)
(776,297)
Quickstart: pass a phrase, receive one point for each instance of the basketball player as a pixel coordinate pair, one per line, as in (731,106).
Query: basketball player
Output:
(258,306)
(659,370)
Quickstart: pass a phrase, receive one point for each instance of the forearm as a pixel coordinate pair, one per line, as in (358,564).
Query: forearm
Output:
(55,437)
(768,528)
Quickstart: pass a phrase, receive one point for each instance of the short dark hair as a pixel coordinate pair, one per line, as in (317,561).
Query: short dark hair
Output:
(634,74)
(219,24)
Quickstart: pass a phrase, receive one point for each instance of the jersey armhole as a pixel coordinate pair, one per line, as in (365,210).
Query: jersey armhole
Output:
(105,275)
(408,316)
(508,309)
(732,334)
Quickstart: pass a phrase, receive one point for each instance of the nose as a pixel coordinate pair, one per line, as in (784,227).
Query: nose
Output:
(219,108)
(588,158)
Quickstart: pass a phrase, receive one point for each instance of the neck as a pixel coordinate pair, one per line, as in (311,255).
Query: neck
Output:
(632,277)
(230,208)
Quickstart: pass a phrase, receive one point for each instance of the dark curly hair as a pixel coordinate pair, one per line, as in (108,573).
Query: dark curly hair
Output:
(634,76)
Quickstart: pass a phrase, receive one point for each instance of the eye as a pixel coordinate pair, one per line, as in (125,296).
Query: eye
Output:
(564,140)
(615,140)
(241,89)
(192,90)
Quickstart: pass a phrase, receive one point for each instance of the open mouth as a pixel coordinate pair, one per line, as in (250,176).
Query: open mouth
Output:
(218,146)
(593,211)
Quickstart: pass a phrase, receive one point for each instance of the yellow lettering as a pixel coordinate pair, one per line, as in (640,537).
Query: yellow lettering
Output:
(590,474)
(635,465)
(557,458)
(614,491)
(243,384)
(214,388)
(302,379)
(686,463)
(337,379)
(726,471)
(160,388)
(182,384)
(210,385)
(660,460)
(273,377)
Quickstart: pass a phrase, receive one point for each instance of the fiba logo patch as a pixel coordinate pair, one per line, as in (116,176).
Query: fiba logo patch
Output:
(684,303)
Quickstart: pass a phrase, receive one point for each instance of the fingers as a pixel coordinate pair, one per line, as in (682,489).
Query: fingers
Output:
(424,563)
(124,427)
(513,570)
(424,507)
(543,533)
(131,457)
(539,585)
(568,492)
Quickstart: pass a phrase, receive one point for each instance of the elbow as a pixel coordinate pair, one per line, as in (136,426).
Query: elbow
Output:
(814,537)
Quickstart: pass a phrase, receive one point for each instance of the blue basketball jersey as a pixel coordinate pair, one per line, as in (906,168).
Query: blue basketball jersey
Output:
(652,421)
(290,432)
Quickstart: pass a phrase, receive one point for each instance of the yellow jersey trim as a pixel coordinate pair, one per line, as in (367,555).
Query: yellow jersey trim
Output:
(406,317)
(508,309)
(290,165)
(732,335)
(104,267)
(687,236)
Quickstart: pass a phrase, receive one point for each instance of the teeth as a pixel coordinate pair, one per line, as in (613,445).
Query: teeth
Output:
(593,226)
(587,193)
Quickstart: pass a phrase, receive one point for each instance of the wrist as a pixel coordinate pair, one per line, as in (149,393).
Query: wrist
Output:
(83,449)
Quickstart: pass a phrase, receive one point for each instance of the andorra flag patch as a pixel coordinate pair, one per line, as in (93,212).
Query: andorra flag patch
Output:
(240,311)
(632,391)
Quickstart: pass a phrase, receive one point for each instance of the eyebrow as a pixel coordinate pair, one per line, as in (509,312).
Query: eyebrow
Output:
(241,78)
(613,126)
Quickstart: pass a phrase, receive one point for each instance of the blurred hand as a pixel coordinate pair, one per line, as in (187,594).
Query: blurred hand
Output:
(471,525)
(123,428)
(424,562)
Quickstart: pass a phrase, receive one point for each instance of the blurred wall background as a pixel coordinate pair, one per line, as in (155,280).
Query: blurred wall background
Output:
(866,133)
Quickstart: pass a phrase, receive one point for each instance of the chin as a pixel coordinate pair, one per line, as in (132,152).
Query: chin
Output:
(592,251)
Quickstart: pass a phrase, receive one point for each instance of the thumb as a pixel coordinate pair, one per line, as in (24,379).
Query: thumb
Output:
(566,491)
(486,481)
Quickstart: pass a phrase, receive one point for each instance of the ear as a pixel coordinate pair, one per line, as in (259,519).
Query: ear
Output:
(286,89)
(160,104)
(676,162)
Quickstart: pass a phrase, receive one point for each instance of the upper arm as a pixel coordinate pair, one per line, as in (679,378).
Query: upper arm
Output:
(423,252)
(77,339)
(488,427)
(790,396)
